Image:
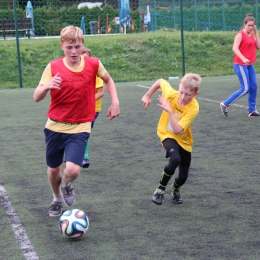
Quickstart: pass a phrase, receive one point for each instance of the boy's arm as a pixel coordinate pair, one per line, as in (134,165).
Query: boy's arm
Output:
(164,104)
(42,90)
(146,99)
(114,109)
(100,93)
(174,124)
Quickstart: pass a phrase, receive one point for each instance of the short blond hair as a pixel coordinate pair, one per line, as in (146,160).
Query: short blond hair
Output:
(86,51)
(71,34)
(191,81)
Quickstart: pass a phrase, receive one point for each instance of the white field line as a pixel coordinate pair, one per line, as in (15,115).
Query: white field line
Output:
(201,98)
(19,231)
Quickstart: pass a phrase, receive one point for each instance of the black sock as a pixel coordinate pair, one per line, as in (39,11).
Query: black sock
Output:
(166,176)
(176,186)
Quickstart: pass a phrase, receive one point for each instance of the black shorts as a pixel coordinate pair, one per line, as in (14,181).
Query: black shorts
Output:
(169,144)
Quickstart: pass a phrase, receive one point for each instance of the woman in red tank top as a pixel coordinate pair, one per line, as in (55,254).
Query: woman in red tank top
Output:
(246,43)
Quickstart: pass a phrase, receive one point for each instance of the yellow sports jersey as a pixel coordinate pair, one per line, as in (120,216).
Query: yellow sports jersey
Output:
(61,127)
(184,114)
(99,84)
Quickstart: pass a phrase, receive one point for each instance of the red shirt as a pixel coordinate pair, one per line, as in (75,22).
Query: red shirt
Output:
(75,101)
(247,47)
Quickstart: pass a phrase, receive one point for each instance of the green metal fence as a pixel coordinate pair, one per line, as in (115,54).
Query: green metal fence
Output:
(47,18)
(198,15)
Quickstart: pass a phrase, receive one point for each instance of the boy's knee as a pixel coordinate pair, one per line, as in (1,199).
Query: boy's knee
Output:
(53,171)
(72,170)
(175,157)
(174,161)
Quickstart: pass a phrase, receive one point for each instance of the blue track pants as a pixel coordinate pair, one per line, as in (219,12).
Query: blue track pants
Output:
(248,82)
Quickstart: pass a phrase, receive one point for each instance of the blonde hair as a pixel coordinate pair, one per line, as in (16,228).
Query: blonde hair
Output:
(86,51)
(71,34)
(191,81)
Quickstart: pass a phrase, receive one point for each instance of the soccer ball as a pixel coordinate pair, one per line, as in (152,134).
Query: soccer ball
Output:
(73,223)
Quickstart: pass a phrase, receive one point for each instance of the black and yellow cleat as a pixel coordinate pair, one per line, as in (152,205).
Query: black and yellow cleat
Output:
(176,196)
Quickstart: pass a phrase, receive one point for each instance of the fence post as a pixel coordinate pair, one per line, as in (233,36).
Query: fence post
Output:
(17,44)
(182,41)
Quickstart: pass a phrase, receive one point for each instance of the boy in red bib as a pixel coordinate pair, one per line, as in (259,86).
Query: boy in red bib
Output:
(71,81)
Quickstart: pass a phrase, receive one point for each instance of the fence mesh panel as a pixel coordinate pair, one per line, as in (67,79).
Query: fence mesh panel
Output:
(42,20)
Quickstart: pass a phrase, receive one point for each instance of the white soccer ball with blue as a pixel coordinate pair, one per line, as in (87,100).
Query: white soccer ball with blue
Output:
(73,223)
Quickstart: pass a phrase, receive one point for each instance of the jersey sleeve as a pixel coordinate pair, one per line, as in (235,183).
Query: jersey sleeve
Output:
(190,115)
(101,70)
(167,89)
(46,75)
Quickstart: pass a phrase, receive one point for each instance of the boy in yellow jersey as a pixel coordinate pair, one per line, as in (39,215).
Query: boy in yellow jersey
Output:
(174,130)
(98,97)
(71,83)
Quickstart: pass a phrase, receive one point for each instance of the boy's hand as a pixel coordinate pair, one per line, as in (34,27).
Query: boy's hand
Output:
(113,111)
(146,101)
(55,82)
(164,104)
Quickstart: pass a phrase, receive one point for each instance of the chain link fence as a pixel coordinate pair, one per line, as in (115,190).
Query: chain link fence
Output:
(21,20)
(199,15)
(146,15)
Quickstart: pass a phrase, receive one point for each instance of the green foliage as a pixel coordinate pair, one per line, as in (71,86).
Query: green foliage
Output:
(17,4)
(52,16)
(203,18)
(129,57)
(52,3)
(5,5)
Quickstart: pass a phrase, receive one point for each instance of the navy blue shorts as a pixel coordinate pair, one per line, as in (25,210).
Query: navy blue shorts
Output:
(58,144)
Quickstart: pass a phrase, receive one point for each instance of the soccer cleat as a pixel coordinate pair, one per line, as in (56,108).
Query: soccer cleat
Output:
(254,113)
(224,109)
(176,196)
(85,163)
(68,195)
(55,209)
(158,196)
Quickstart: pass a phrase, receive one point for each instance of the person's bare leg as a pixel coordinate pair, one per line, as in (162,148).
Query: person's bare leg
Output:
(70,174)
(54,178)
